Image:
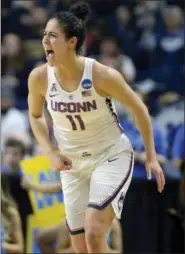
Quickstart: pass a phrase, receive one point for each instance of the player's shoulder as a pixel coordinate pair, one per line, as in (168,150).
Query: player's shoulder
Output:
(38,78)
(105,73)
(39,73)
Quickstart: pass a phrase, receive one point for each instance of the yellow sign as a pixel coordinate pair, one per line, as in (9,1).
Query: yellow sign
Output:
(48,208)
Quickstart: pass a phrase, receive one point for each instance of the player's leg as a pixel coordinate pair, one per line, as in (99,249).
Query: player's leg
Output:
(116,243)
(108,186)
(76,197)
(97,225)
(46,239)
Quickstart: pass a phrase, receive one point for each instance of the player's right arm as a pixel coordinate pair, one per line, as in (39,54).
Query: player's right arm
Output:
(36,99)
(37,86)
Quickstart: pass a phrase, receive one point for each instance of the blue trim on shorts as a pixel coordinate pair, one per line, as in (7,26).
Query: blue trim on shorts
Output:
(106,203)
(75,232)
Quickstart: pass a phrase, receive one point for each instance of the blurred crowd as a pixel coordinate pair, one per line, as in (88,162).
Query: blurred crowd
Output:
(142,39)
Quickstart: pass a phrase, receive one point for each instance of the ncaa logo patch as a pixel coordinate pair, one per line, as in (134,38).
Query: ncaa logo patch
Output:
(86,83)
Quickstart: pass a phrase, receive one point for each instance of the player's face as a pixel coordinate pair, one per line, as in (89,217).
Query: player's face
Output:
(55,44)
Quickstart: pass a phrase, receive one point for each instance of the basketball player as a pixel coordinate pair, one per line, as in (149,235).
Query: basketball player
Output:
(96,157)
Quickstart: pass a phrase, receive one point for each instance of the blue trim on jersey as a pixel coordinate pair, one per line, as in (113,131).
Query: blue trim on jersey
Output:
(76,231)
(104,204)
(108,102)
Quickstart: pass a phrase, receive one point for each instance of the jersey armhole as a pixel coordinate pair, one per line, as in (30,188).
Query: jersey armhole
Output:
(92,77)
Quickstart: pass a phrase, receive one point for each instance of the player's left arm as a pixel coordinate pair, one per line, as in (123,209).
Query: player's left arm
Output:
(112,84)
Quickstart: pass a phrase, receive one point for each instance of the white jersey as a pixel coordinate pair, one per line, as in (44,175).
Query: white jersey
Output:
(84,122)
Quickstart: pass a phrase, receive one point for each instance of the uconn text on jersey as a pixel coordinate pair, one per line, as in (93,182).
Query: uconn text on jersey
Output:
(73,107)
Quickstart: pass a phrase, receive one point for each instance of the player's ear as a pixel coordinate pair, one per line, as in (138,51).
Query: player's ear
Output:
(72,42)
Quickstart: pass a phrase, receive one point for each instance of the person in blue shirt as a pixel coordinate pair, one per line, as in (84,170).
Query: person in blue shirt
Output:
(178,156)
(178,151)
(177,214)
(135,137)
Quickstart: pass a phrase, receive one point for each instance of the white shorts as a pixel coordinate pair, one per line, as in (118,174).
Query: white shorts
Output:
(106,183)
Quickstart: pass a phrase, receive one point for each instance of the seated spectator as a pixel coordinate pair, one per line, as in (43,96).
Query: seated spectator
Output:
(169,60)
(14,152)
(13,121)
(178,151)
(13,55)
(94,37)
(177,215)
(11,222)
(166,120)
(121,26)
(135,137)
(178,157)
(110,55)
(26,19)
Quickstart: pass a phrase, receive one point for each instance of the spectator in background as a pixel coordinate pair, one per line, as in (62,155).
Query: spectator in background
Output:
(14,152)
(178,151)
(13,55)
(122,29)
(20,19)
(36,20)
(94,37)
(13,236)
(110,55)
(169,53)
(13,121)
(138,146)
(178,157)
(170,104)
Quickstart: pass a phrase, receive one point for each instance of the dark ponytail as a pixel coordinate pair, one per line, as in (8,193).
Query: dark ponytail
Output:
(73,22)
(81,10)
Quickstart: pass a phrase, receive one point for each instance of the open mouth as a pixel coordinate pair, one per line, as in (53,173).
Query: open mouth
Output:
(49,53)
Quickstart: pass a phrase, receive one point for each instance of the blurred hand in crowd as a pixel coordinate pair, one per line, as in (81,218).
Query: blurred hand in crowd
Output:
(26,183)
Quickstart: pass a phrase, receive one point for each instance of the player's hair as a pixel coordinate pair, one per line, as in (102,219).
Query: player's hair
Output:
(13,142)
(73,22)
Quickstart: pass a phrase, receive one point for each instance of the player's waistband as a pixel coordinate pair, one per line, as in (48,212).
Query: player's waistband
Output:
(119,145)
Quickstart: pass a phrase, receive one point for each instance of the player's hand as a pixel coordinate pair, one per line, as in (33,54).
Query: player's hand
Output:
(153,166)
(59,162)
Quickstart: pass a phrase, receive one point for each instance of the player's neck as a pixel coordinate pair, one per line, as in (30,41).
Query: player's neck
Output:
(71,68)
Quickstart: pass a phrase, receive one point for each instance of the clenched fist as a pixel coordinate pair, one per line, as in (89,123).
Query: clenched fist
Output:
(59,162)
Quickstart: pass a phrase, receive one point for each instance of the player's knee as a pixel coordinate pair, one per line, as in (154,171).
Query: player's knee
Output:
(79,248)
(79,245)
(93,232)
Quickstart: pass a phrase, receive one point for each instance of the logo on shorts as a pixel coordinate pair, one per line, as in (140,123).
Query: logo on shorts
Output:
(86,154)
(121,201)
(86,83)
(113,160)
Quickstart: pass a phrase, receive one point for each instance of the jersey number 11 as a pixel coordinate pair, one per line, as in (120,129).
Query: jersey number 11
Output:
(73,122)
